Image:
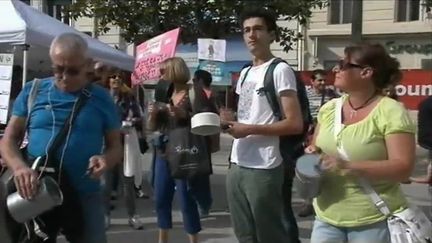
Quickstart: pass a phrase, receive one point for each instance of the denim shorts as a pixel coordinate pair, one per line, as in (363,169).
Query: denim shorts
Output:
(326,233)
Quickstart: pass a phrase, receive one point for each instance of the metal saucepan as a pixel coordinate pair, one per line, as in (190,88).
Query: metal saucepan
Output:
(49,196)
(308,176)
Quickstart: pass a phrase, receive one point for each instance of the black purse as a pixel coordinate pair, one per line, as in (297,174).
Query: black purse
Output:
(143,145)
(187,154)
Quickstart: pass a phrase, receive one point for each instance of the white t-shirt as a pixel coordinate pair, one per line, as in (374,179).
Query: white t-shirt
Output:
(256,151)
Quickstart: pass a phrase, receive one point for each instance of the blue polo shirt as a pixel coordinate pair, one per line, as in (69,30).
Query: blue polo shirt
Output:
(48,115)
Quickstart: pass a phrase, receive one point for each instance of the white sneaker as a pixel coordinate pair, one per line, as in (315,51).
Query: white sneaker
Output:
(136,223)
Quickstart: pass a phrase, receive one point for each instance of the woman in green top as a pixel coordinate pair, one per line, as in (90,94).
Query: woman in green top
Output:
(378,139)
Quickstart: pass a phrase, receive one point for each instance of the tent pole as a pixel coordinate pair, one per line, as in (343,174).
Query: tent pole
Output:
(25,62)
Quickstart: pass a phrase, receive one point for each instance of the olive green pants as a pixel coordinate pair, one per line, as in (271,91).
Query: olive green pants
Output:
(256,204)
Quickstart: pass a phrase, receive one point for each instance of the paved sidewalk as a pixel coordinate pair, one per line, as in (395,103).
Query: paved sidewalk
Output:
(217,228)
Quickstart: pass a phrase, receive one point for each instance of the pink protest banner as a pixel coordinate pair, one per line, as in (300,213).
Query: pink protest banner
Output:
(151,53)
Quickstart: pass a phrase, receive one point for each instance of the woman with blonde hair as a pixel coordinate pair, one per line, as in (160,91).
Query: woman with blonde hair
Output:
(363,136)
(176,114)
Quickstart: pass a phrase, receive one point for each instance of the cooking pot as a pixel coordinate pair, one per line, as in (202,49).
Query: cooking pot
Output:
(205,124)
(49,196)
(308,176)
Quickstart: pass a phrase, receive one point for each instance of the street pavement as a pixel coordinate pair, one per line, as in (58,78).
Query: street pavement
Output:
(217,228)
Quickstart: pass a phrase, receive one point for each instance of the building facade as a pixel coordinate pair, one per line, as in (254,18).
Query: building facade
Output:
(404,27)
(54,8)
(292,57)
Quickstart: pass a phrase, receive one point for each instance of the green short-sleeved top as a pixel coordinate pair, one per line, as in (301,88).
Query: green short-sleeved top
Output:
(341,201)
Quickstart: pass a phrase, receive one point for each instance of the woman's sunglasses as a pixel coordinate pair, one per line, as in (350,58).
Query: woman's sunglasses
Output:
(344,65)
(114,76)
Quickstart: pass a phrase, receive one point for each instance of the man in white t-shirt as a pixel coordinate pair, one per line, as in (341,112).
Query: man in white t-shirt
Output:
(254,181)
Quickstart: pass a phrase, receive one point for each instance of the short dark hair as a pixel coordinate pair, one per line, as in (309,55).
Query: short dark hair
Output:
(204,76)
(317,72)
(266,14)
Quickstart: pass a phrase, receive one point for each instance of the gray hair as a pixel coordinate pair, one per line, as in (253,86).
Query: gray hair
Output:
(69,42)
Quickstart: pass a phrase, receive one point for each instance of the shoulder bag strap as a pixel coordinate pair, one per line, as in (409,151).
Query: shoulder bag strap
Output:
(30,103)
(192,97)
(32,98)
(61,135)
(366,186)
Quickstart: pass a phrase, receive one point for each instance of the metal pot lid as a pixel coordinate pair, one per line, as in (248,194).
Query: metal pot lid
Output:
(309,165)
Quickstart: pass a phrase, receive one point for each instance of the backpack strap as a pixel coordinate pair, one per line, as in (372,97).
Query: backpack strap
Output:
(269,87)
(246,74)
(270,90)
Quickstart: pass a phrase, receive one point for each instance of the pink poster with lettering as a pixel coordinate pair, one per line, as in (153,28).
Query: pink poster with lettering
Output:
(151,53)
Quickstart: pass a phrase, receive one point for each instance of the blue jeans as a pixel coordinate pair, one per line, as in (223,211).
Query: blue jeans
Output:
(326,233)
(94,224)
(85,227)
(164,188)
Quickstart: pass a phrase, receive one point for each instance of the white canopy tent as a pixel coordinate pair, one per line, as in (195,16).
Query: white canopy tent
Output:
(25,26)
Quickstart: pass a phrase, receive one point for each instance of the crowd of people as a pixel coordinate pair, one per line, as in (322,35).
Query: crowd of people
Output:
(362,132)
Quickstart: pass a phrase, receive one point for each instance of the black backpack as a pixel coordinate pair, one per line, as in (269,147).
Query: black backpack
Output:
(291,146)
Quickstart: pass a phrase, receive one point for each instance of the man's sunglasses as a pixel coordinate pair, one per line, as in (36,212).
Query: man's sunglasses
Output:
(344,65)
(71,71)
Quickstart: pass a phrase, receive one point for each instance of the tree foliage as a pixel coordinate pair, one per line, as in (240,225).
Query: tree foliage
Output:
(140,20)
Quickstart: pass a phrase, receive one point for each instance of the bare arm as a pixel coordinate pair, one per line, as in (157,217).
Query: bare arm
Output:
(25,178)
(291,125)
(9,147)
(316,131)
(151,123)
(400,163)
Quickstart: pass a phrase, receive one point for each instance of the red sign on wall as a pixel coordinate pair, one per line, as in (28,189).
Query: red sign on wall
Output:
(416,85)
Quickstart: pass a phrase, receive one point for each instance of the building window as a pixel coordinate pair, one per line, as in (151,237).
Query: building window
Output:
(407,10)
(57,11)
(340,11)
(26,2)
(426,64)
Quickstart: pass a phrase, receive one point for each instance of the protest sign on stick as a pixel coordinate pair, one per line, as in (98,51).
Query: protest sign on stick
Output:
(151,53)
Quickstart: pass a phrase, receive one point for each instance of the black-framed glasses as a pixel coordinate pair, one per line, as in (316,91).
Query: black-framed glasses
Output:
(344,65)
(71,71)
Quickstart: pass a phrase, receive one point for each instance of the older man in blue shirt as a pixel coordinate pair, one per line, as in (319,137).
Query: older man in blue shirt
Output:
(81,216)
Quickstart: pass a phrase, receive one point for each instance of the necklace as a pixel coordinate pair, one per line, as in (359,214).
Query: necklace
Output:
(355,109)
